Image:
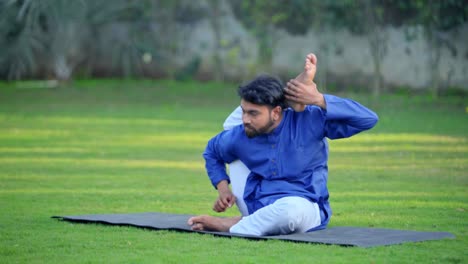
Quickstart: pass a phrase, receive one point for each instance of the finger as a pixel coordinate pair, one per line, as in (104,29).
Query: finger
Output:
(215,207)
(291,87)
(297,100)
(292,98)
(295,93)
(294,82)
(224,202)
(290,93)
(218,209)
(299,88)
(220,206)
(232,201)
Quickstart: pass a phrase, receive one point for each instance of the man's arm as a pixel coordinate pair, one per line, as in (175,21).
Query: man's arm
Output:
(344,117)
(218,152)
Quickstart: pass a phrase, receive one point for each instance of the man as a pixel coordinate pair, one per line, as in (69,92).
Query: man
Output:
(286,152)
(238,172)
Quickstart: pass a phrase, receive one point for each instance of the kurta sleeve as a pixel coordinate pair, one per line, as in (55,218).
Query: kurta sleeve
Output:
(346,117)
(218,152)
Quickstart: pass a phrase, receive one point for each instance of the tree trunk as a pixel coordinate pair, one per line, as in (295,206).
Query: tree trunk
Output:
(216,25)
(434,60)
(265,47)
(377,38)
(377,42)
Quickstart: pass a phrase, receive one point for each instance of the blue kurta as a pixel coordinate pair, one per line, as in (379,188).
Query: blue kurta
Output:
(292,159)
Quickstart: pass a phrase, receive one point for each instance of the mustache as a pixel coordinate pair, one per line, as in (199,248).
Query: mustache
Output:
(247,126)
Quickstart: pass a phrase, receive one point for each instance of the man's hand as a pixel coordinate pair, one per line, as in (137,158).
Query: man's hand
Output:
(306,77)
(226,198)
(303,94)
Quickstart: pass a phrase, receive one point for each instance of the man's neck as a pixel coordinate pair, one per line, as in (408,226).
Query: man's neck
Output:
(276,124)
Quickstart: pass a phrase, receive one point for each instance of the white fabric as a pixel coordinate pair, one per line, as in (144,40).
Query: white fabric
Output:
(285,216)
(238,174)
(234,119)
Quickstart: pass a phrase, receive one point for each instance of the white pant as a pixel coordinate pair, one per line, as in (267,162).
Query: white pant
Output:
(238,174)
(285,216)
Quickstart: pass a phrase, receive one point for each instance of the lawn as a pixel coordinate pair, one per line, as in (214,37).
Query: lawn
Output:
(123,146)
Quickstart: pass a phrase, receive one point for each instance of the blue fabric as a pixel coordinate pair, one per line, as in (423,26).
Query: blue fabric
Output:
(292,159)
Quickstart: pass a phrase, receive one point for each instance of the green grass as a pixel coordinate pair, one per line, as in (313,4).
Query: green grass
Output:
(117,146)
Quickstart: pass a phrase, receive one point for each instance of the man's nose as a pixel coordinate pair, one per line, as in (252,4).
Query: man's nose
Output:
(245,119)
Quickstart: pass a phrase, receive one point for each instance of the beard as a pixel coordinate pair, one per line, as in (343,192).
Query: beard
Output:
(251,132)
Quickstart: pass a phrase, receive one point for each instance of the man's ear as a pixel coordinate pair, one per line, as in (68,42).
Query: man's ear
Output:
(277,112)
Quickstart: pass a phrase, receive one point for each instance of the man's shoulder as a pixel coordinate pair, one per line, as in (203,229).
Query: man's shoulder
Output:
(234,132)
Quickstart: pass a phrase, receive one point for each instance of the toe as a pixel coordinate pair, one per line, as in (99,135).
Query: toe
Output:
(190,221)
(197,227)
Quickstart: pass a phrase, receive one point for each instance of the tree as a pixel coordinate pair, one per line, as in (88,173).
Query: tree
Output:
(57,36)
(372,17)
(21,37)
(369,19)
(52,34)
(261,17)
(214,18)
(437,18)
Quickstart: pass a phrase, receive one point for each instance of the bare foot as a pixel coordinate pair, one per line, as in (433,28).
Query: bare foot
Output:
(305,77)
(212,223)
(310,68)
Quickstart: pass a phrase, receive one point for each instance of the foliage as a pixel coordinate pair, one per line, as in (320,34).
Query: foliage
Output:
(261,17)
(20,37)
(437,18)
(63,39)
(370,18)
(362,17)
(61,30)
(64,35)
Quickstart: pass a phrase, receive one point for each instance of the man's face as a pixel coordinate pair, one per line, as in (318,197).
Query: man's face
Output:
(257,119)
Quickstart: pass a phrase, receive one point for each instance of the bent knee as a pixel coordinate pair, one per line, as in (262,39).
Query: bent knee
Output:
(297,215)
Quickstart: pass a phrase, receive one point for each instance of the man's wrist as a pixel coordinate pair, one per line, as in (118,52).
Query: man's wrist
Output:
(222,186)
(321,102)
(297,107)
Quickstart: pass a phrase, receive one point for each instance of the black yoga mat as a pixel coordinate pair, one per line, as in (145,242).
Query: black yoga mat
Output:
(345,236)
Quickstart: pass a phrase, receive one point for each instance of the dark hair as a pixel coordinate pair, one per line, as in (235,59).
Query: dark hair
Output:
(264,90)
